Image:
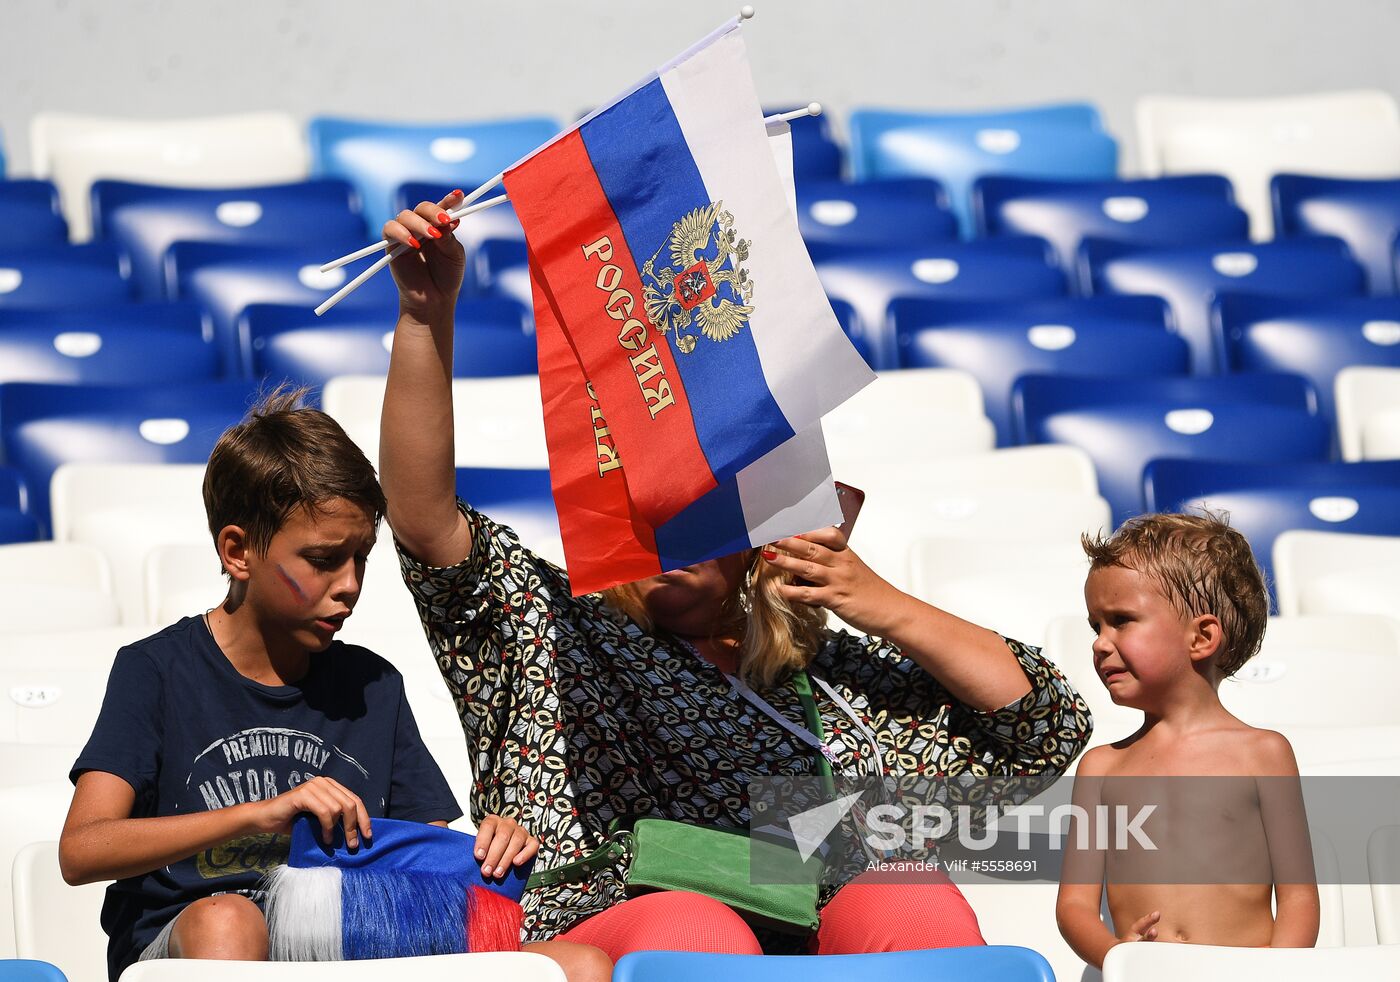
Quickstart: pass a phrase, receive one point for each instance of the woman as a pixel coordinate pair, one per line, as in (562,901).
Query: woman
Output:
(580,711)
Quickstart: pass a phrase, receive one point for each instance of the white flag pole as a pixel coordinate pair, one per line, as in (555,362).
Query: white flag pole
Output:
(468,206)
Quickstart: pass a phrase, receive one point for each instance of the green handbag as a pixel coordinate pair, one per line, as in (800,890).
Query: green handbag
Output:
(717,862)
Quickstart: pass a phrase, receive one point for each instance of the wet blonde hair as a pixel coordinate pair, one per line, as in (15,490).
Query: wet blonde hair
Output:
(1202,566)
(777,637)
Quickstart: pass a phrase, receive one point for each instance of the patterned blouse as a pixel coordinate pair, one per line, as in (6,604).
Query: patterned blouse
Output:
(574,716)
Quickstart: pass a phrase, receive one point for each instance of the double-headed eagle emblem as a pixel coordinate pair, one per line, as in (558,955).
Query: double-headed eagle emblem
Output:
(694,281)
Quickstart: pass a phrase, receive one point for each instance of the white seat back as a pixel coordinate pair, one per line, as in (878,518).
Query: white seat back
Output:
(126,510)
(1380,435)
(32,813)
(1339,134)
(517,966)
(55,922)
(210,151)
(35,763)
(49,584)
(499,421)
(1212,963)
(1383,863)
(1336,573)
(1362,393)
(182,580)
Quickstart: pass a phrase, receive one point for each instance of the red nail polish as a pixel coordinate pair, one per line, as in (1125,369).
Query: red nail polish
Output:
(414,242)
(443,218)
(455,223)
(768,554)
(434,232)
(459,193)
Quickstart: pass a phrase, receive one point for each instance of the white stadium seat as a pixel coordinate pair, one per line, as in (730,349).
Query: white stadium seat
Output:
(1367,397)
(32,813)
(44,585)
(499,421)
(1337,134)
(36,763)
(55,922)
(1210,963)
(209,151)
(1024,914)
(517,966)
(126,510)
(905,415)
(1336,573)
(182,580)
(1383,862)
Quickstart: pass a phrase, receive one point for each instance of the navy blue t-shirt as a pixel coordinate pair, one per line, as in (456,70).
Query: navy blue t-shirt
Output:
(191,734)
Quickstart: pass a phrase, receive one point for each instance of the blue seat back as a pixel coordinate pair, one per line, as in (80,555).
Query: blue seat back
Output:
(1164,211)
(1363,214)
(1128,422)
(45,425)
(30,214)
(520,498)
(13,493)
(62,276)
(180,317)
(293,343)
(29,970)
(870,280)
(16,524)
(1266,499)
(816,156)
(378,157)
(999,341)
(1063,141)
(1316,337)
(899,212)
(984,963)
(224,279)
(501,268)
(1189,278)
(145,220)
(131,355)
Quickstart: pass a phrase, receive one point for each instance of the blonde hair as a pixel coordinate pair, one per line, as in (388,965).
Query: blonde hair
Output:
(777,637)
(1202,566)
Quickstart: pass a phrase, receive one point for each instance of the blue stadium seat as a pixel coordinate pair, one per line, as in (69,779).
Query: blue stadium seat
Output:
(30,215)
(500,268)
(999,341)
(1165,211)
(128,356)
(492,489)
(1127,423)
(1189,277)
(378,157)
(1061,141)
(1364,214)
(293,343)
(146,219)
(44,425)
(910,211)
(16,525)
(851,325)
(62,276)
(180,317)
(1266,499)
(869,279)
(224,279)
(1316,337)
(815,154)
(985,963)
(29,970)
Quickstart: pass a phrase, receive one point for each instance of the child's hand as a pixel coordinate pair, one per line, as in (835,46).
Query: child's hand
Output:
(429,273)
(501,843)
(1144,928)
(328,800)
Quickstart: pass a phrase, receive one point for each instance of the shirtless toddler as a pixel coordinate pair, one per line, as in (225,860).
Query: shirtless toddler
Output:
(1178,605)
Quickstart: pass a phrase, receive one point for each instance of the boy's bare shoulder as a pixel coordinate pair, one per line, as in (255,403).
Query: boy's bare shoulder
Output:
(1267,752)
(1100,761)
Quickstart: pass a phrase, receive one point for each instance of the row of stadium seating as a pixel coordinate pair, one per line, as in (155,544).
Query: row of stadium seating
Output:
(1354,134)
(1257,449)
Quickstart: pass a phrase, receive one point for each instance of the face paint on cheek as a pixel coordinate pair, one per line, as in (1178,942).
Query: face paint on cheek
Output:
(293,585)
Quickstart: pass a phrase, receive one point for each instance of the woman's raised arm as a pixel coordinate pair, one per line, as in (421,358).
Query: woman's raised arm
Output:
(415,440)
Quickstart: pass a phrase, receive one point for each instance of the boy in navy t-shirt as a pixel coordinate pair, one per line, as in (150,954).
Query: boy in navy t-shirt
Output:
(217,732)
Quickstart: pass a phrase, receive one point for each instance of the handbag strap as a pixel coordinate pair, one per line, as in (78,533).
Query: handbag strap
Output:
(610,853)
(803,685)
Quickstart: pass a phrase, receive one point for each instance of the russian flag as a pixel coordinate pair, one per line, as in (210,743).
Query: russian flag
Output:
(661,234)
(606,540)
